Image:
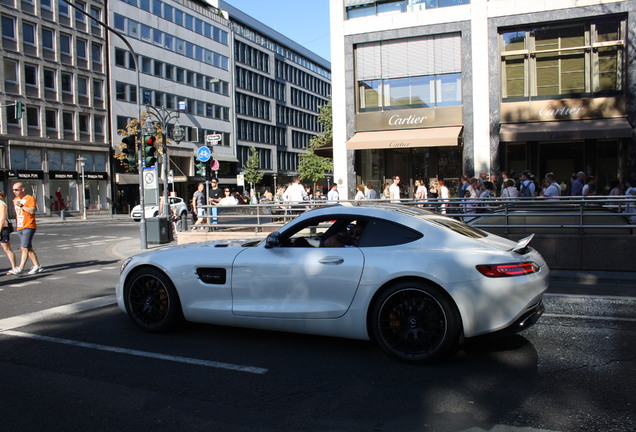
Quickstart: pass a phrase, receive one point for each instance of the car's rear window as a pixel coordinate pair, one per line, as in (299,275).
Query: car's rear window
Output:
(458,227)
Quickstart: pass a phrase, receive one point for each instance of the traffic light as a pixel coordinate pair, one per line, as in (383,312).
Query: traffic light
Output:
(129,150)
(200,167)
(150,150)
(19,110)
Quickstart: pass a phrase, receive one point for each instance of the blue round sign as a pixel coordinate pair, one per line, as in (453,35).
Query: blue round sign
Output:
(204,154)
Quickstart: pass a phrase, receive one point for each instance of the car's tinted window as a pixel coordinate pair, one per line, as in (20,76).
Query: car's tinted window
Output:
(385,233)
(458,227)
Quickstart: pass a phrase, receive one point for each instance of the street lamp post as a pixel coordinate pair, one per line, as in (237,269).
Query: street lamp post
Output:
(164,117)
(82,162)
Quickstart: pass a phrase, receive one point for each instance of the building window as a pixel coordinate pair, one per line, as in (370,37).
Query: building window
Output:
(82,86)
(81,49)
(30,75)
(80,17)
(359,9)
(51,119)
(62,8)
(67,82)
(8,27)
(98,125)
(96,51)
(65,44)
(120,57)
(83,123)
(120,91)
(423,72)
(49,79)
(28,33)
(97,16)
(33,117)
(67,121)
(573,59)
(10,71)
(48,36)
(120,23)
(98,89)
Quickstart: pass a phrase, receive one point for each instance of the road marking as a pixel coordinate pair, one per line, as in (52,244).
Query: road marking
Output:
(602,297)
(7,324)
(27,283)
(137,353)
(30,318)
(589,317)
(89,271)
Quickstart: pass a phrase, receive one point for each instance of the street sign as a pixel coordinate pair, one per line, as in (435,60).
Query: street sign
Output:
(215,165)
(240,180)
(213,138)
(204,154)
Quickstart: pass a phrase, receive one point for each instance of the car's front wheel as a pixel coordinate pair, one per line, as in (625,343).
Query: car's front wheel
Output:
(415,322)
(151,300)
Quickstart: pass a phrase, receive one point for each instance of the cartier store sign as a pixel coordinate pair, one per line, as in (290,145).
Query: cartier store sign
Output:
(563,109)
(410,118)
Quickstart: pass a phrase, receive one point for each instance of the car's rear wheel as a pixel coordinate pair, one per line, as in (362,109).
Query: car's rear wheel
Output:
(416,323)
(151,300)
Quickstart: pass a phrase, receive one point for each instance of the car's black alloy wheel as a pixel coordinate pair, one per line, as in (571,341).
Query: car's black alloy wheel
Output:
(415,323)
(151,300)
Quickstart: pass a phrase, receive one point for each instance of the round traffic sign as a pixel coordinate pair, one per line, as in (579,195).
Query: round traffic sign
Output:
(204,154)
(215,165)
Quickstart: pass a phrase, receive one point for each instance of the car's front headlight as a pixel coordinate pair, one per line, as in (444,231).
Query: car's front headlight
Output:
(125,264)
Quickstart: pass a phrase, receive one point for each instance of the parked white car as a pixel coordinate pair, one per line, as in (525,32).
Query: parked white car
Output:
(415,282)
(177,204)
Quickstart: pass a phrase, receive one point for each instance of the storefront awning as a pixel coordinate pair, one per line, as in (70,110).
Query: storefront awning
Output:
(406,138)
(566,130)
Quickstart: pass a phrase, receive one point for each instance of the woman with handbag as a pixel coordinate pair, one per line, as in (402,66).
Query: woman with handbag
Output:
(7,229)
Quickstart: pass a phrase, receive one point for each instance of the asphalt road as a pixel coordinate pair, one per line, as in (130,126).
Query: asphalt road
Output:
(70,360)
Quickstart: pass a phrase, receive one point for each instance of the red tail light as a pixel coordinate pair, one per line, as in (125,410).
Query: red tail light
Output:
(506,270)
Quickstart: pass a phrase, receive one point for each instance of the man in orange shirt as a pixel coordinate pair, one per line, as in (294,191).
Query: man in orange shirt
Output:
(25,207)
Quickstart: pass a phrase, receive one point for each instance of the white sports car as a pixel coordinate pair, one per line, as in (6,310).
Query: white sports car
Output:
(152,210)
(415,282)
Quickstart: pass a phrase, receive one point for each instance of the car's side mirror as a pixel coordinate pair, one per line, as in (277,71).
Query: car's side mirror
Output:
(272,240)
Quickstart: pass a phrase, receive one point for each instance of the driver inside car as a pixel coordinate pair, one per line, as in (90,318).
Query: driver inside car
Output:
(348,236)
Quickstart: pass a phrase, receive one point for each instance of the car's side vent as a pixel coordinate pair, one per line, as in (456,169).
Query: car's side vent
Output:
(214,276)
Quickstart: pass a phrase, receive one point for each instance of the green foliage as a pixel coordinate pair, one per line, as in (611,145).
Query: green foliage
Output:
(250,169)
(311,166)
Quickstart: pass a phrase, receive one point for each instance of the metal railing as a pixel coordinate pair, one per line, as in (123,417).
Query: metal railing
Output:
(564,213)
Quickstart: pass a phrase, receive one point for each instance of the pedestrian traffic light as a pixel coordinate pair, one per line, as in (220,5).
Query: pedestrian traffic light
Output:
(129,150)
(19,110)
(150,150)
(199,167)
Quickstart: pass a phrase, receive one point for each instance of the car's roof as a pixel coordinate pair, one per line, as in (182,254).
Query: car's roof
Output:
(370,209)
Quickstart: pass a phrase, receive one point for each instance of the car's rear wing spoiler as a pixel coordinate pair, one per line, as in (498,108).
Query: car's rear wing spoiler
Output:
(522,244)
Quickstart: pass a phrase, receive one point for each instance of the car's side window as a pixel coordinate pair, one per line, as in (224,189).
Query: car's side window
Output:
(310,234)
(386,233)
(330,233)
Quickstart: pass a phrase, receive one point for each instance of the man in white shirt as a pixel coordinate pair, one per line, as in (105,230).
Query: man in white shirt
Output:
(333,195)
(394,190)
(295,193)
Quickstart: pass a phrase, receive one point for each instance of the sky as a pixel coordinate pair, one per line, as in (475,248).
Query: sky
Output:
(306,22)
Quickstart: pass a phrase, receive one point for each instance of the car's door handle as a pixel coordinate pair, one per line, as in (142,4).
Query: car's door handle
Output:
(331,260)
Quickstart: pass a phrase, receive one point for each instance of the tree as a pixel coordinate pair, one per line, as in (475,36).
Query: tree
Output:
(252,174)
(311,166)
